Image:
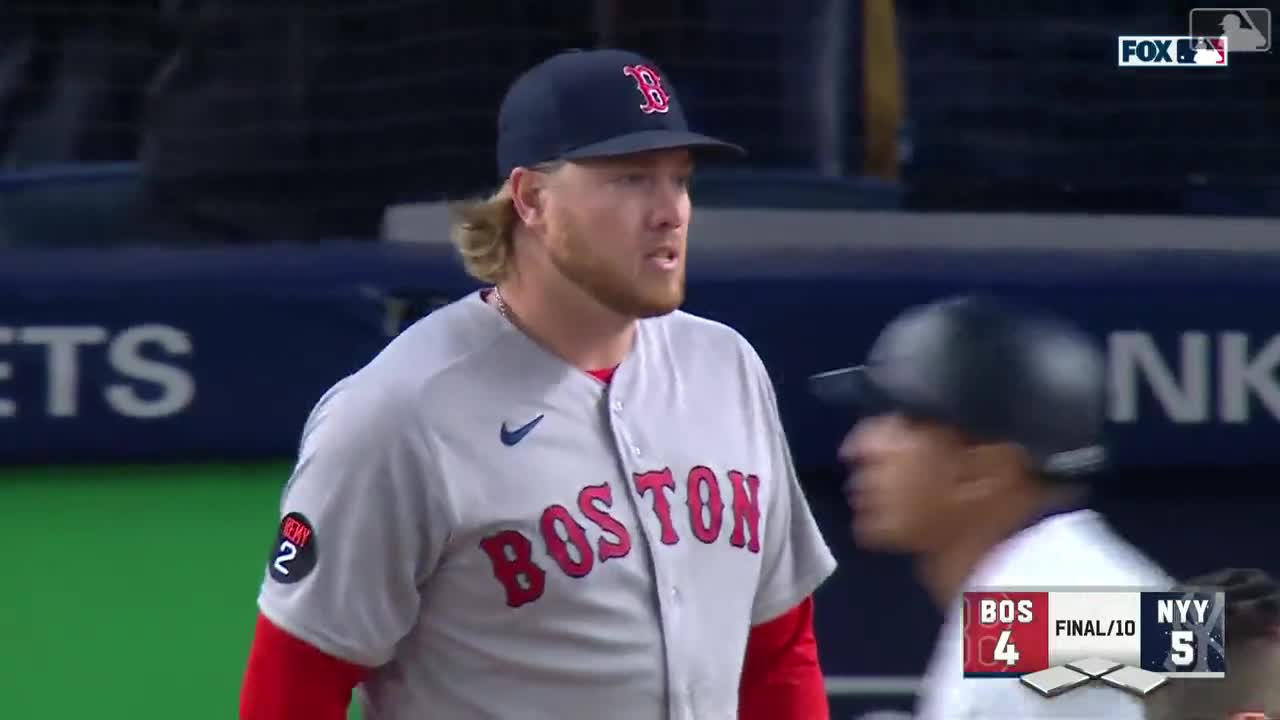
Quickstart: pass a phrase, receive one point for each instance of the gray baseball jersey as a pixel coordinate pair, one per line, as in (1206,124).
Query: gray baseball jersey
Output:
(503,535)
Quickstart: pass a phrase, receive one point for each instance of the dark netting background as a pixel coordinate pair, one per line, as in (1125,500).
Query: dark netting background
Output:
(331,110)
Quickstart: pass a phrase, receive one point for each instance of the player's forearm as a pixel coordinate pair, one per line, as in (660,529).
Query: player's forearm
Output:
(781,676)
(287,679)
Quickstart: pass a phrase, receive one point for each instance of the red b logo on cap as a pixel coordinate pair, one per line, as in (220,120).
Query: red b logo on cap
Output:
(649,83)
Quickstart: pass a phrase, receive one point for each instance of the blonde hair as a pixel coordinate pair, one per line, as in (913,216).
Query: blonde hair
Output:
(482,232)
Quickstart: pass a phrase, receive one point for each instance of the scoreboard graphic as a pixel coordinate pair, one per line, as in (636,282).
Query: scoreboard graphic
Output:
(1058,640)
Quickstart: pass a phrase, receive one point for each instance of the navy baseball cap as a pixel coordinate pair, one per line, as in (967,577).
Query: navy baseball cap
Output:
(584,104)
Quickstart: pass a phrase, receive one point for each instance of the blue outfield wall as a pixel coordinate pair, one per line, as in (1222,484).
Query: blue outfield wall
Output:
(155,353)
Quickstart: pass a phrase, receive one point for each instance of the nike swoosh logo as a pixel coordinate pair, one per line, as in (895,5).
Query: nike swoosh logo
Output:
(511,437)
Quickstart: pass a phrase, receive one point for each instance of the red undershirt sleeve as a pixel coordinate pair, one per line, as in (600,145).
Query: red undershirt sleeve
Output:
(288,679)
(781,676)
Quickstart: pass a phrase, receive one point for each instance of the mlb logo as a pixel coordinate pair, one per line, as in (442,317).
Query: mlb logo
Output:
(1247,30)
(1171,51)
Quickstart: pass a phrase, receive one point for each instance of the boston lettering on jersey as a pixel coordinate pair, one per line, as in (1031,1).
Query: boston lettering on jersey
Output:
(511,552)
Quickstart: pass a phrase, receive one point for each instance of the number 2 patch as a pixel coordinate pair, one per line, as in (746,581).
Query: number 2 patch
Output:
(293,556)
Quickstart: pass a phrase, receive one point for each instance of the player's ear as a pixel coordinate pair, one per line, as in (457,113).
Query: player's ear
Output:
(528,196)
(987,470)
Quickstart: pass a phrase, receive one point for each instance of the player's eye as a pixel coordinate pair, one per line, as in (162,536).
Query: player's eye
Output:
(632,179)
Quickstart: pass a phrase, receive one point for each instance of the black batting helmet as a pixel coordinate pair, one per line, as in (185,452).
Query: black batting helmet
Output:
(996,371)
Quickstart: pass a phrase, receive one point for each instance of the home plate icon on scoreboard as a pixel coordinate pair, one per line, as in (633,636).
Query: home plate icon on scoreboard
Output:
(1058,640)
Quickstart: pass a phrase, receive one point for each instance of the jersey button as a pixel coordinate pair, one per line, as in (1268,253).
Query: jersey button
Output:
(617,406)
(636,449)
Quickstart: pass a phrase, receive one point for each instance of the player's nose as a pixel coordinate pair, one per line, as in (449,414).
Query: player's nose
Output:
(848,450)
(670,208)
(865,441)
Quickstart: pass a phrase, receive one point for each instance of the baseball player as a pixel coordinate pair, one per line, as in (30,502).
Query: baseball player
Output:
(981,422)
(558,498)
(1251,688)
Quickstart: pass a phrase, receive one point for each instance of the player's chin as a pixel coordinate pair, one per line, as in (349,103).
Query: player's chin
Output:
(658,300)
(873,533)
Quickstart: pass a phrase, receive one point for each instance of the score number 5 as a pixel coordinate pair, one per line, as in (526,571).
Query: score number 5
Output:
(1182,648)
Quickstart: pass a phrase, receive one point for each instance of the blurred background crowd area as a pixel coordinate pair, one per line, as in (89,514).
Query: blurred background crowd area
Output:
(231,121)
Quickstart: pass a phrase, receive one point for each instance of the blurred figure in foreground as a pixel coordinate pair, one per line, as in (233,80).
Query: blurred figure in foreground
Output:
(983,423)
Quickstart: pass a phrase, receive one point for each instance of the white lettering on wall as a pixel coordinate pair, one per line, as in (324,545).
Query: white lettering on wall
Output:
(146,379)
(1207,378)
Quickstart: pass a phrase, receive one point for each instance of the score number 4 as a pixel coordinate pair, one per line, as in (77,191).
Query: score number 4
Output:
(1005,649)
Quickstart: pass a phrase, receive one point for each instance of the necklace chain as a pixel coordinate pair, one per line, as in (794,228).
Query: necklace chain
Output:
(503,308)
